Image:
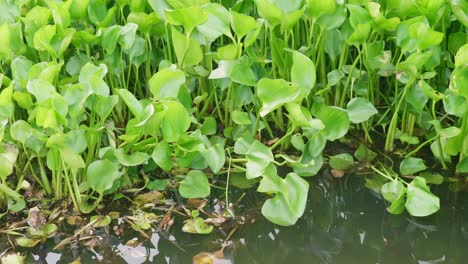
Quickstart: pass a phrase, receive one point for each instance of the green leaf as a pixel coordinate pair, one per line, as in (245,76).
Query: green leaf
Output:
(303,72)
(75,63)
(101,175)
(72,159)
(258,155)
(5,36)
(336,121)
(41,89)
(92,77)
(333,20)
(144,21)
(456,105)
(166,83)
(379,19)
(242,24)
(130,160)
(342,162)
(27,242)
(290,20)
(394,192)
(432,178)
(189,17)
(270,12)
(460,10)
(215,155)
(195,185)
(60,12)
(360,34)
(240,118)
(6,168)
(162,156)
(21,131)
(455,41)
(43,38)
(459,81)
(461,58)
(420,201)
(301,117)
(130,100)
(416,98)
(158,185)
(430,92)
(105,105)
(462,166)
(274,93)
(197,226)
(127,35)
(209,126)
(360,110)
(176,121)
(109,38)
(333,42)
(188,50)
(243,74)
(358,15)
(217,23)
(363,153)
(228,52)
(411,165)
(309,166)
(424,35)
(316,9)
(288,204)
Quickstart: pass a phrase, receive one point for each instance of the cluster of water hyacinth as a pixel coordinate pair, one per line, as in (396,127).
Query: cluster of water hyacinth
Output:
(99,96)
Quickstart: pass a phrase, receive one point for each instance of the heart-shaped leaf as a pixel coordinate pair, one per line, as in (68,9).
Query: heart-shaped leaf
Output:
(420,201)
(360,110)
(288,204)
(166,83)
(342,162)
(274,93)
(194,185)
(411,165)
(101,175)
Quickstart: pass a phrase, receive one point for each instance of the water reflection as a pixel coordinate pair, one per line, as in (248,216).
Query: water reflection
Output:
(345,223)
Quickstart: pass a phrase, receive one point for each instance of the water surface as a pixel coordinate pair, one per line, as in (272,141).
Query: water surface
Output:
(345,222)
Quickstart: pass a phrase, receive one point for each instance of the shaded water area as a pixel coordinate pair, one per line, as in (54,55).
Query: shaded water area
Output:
(345,222)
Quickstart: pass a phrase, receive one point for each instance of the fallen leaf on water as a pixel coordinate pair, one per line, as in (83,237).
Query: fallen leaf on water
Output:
(337,173)
(196,226)
(272,141)
(215,220)
(152,197)
(27,242)
(196,203)
(12,258)
(133,242)
(77,261)
(75,220)
(35,218)
(166,222)
(208,257)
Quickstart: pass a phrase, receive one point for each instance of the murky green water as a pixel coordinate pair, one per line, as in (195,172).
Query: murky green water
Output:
(345,223)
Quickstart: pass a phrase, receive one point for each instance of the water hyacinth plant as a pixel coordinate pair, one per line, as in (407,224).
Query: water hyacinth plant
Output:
(99,96)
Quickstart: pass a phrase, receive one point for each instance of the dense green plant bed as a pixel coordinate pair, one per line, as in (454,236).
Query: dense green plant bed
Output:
(102,96)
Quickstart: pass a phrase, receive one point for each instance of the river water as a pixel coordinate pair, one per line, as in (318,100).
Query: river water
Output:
(345,222)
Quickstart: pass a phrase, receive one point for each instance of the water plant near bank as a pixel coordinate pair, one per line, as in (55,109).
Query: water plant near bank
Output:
(102,96)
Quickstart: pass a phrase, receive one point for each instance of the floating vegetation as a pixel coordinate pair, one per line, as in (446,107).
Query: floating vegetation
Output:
(161,101)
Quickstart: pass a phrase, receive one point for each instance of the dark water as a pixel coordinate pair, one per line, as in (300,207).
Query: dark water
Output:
(345,223)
